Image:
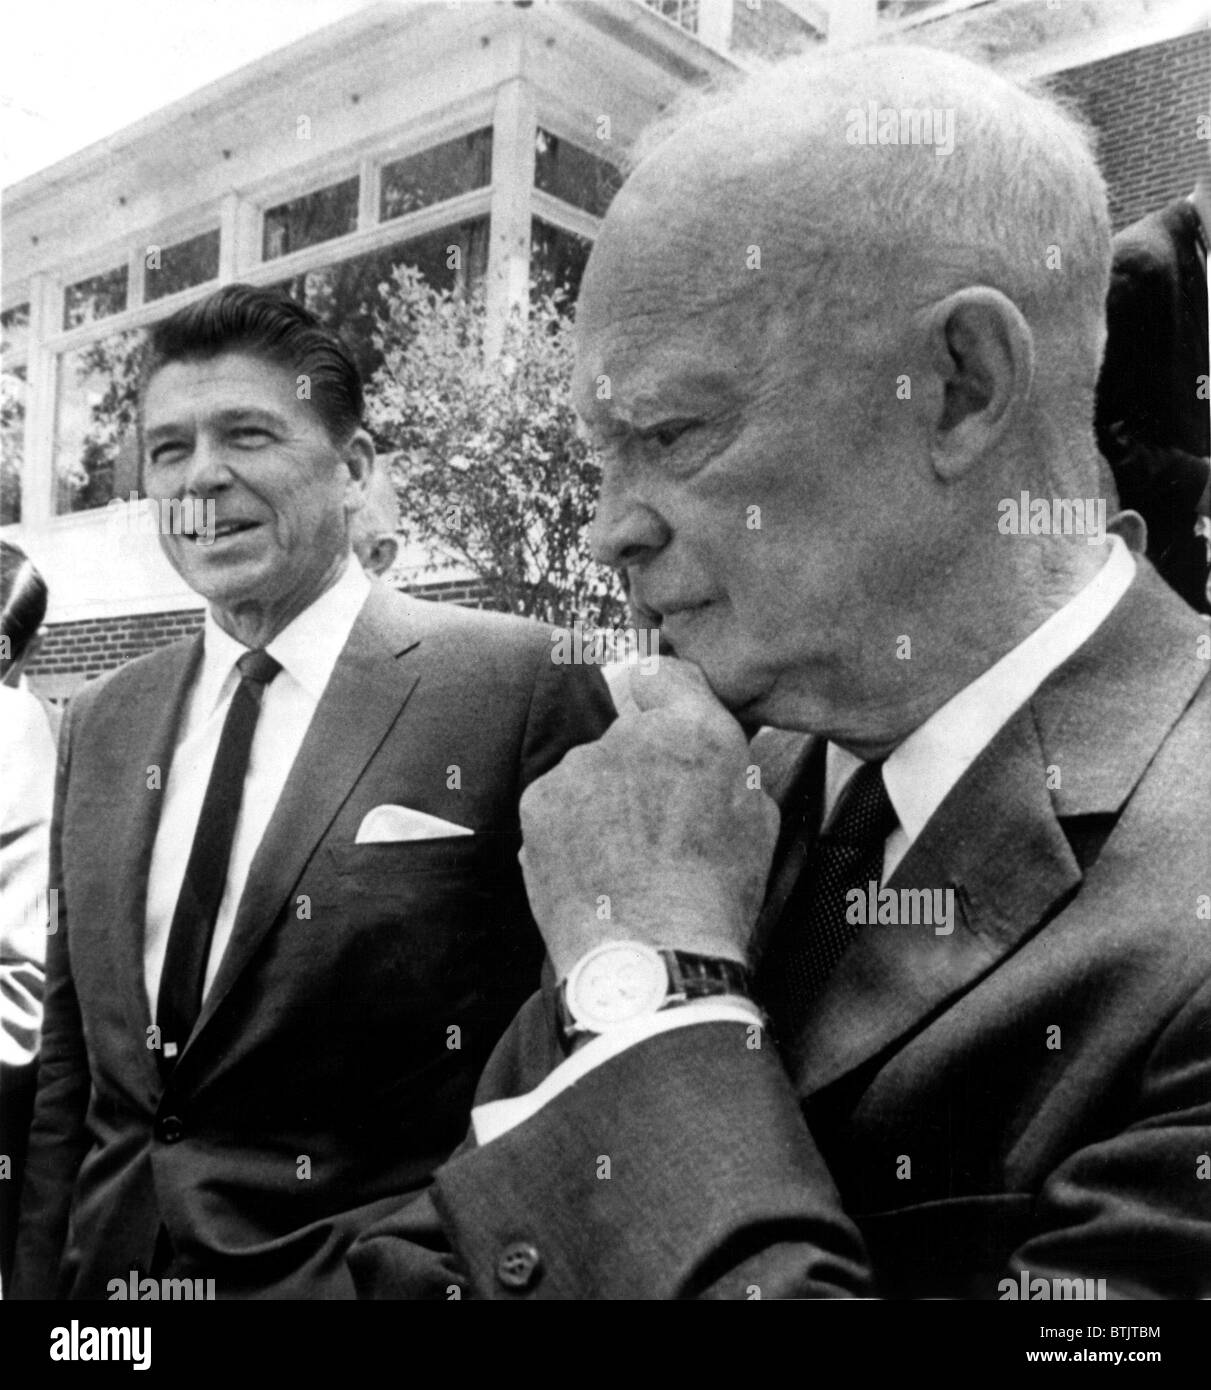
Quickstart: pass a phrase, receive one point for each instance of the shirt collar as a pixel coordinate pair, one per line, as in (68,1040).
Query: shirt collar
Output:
(307,647)
(920,773)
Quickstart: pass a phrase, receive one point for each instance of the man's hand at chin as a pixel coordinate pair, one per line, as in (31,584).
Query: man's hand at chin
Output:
(651,833)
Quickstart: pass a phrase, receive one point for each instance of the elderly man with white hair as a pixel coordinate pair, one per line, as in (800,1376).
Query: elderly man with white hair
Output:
(909,995)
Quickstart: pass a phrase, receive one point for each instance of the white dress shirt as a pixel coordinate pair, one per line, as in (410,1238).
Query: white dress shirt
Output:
(920,773)
(27,783)
(307,650)
(918,776)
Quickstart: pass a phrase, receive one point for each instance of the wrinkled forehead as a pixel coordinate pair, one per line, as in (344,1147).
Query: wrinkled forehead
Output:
(672,238)
(632,367)
(659,303)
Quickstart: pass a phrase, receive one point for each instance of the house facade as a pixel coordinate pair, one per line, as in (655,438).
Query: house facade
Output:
(478,142)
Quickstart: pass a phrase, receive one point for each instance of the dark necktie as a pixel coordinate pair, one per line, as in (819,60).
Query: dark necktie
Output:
(206,872)
(813,934)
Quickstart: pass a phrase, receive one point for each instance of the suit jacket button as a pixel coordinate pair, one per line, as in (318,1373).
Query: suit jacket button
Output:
(170,1129)
(518,1266)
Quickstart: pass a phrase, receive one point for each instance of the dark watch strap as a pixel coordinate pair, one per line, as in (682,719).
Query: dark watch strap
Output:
(701,977)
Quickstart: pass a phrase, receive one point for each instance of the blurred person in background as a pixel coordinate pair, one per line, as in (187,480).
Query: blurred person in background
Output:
(27,777)
(1153,401)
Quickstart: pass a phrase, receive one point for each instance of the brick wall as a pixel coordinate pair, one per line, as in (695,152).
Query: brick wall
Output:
(1145,105)
(73,653)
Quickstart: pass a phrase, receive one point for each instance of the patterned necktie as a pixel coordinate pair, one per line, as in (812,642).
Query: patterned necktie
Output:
(197,907)
(813,934)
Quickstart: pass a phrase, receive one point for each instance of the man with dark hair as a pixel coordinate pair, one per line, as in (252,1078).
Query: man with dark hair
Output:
(22,608)
(291,919)
(271,326)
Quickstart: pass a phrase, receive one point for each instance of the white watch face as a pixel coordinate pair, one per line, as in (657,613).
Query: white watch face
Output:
(616,982)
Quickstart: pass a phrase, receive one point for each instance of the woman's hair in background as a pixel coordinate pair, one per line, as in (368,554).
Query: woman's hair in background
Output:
(23,599)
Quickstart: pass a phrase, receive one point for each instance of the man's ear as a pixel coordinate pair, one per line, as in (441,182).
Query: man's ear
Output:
(359,457)
(982,351)
(383,555)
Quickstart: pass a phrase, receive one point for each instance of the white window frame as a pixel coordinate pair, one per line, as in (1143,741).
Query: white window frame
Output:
(942,9)
(19,294)
(468,124)
(116,257)
(239,217)
(676,21)
(16,359)
(564,129)
(173,234)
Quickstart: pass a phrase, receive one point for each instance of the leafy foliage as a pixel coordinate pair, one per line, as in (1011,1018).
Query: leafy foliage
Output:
(12,445)
(488,463)
(108,371)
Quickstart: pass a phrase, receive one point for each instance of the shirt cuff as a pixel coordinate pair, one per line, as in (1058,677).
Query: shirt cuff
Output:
(497,1117)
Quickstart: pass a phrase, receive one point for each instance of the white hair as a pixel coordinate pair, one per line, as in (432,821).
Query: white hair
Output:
(1017,203)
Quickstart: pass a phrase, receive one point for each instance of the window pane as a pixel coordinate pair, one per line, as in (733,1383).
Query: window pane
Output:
(14,330)
(172,268)
(95,298)
(346,295)
(12,443)
(319,216)
(683,13)
(434,175)
(96,457)
(910,9)
(557,259)
(566,171)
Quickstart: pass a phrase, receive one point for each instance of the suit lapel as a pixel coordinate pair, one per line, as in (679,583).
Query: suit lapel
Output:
(999,839)
(996,848)
(142,734)
(369,687)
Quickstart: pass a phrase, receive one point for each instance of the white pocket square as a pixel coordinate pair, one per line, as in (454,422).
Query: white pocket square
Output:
(389,823)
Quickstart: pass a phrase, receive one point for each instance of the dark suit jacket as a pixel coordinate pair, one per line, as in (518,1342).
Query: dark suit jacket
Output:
(362,990)
(1153,426)
(930,1134)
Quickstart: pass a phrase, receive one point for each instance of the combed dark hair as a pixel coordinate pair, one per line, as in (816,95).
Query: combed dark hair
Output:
(23,597)
(270,325)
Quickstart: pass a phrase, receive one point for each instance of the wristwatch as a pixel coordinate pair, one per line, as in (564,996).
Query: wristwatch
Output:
(620,981)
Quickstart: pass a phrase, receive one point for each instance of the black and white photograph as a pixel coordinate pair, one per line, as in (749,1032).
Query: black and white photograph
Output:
(605,680)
